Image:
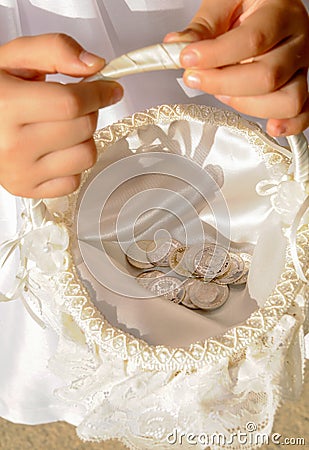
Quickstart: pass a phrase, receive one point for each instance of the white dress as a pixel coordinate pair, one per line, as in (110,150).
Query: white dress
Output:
(109,28)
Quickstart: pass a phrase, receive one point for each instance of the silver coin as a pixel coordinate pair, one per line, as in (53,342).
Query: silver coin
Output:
(136,254)
(189,257)
(212,261)
(176,262)
(158,252)
(145,278)
(247,260)
(186,300)
(168,287)
(202,294)
(235,272)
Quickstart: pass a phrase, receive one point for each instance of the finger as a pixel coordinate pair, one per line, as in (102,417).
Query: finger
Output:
(282,104)
(49,53)
(288,127)
(47,137)
(212,19)
(188,35)
(63,163)
(49,102)
(260,32)
(266,74)
(57,187)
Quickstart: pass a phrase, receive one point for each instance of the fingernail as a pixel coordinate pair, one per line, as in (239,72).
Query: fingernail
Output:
(89,59)
(172,37)
(185,36)
(189,58)
(223,98)
(193,80)
(117,94)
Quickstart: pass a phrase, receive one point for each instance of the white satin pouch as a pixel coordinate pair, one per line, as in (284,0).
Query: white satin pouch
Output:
(195,173)
(191,173)
(138,190)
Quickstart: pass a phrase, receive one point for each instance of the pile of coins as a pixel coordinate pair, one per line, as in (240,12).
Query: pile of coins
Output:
(206,270)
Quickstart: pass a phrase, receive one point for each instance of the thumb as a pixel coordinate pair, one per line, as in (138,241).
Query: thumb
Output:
(48,53)
(212,19)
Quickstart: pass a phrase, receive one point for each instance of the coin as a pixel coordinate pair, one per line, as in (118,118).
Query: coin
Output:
(235,272)
(212,261)
(247,260)
(136,254)
(202,294)
(189,255)
(208,296)
(223,295)
(186,300)
(168,287)
(176,262)
(158,252)
(145,278)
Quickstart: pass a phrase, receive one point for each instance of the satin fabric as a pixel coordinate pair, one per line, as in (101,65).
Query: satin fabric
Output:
(108,28)
(228,204)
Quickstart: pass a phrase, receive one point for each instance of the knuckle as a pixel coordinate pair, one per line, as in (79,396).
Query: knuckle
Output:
(90,124)
(57,187)
(90,155)
(72,105)
(295,104)
(273,78)
(61,41)
(9,149)
(257,41)
(70,184)
(202,26)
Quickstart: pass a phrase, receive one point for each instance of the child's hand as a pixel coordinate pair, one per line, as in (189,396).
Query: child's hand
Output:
(46,128)
(252,55)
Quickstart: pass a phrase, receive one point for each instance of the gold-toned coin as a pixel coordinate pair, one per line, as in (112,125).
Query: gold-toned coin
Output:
(208,296)
(247,260)
(186,300)
(168,287)
(223,295)
(145,278)
(176,262)
(136,254)
(212,261)
(158,252)
(235,272)
(202,294)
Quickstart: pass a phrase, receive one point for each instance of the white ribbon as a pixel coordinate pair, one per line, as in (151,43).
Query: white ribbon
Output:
(285,208)
(292,238)
(22,278)
(38,234)
(155,57)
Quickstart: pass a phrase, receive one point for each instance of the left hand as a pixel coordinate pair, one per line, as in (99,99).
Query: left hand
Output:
(252,55)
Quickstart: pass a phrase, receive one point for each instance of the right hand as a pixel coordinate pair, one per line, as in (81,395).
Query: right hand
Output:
(46,128)
(252,55)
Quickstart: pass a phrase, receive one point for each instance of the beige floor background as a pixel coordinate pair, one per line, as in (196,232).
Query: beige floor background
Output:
(292,422)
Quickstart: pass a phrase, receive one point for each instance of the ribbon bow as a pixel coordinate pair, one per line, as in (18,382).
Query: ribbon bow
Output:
(290,200)
(42,244)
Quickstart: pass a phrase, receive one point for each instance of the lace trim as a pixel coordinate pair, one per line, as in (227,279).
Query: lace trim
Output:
(233,343)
